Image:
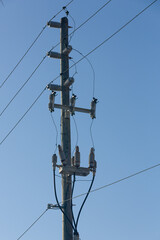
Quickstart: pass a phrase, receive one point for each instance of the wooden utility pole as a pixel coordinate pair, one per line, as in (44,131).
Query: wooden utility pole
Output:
(67,231)
(67,106)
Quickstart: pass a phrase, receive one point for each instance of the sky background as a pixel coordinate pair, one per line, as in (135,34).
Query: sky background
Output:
(126,131)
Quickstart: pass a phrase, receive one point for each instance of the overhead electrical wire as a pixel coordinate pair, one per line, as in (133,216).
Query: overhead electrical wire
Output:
(97,189)
(79,213)
(74,180)
(22,116)
(94,75)
(38,36)
(94,79)
(23,85)
(94,14)
(77,136)
(32,225)
(55,192)
(56,145)
(45,55)
(106,40)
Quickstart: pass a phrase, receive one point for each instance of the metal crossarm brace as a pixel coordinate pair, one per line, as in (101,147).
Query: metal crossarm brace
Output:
(77,109)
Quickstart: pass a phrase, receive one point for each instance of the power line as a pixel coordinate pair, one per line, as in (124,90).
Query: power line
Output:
(32,224)
(20,89)
(94,75)
(111,36)
(56,132)
(38,36)
(97,189)
(22,116)
(88,19)
(106,40)
(71,34)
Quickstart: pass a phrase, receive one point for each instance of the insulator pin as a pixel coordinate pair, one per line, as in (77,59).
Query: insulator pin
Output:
(54,161)
(62,155)
(93,108)
(77,157)
(91,158)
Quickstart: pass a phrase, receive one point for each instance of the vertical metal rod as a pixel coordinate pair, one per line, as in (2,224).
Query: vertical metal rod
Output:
(67,231)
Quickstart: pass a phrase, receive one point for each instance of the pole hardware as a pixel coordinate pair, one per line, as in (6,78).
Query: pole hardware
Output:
(69,82)
(51,101)
(72,104)
(54,55)
(54,24)
(57,55)
(53,206)
(93,108)
(54,87)
(70,165)
(67,50)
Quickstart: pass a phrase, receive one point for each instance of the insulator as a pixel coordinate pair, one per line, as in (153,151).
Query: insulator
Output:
(77,157)
(54,160)
(54,24)
(54,87)
(72,161)
(72,103)
(93,108)
(91,158)
(69,82)
(51,101)
(67,50)
(62,154)
(54,55)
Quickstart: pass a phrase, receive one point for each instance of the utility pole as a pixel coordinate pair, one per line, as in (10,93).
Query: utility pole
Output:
(67,231)
(67,106)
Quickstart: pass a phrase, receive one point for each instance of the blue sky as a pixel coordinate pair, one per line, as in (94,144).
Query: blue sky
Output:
(126,130)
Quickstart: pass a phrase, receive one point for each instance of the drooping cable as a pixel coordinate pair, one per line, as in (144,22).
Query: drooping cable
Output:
(88,19)
(31,225)
(77,135)
(107,39)
(55,192)
(94,75)
(97,189)
(38,36)
(51,50)
(73,73)
(56,145)
(79,213)
(74,180)
(74,27)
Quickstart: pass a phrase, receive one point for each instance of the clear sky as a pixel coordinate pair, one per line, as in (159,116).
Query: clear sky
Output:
(126,131)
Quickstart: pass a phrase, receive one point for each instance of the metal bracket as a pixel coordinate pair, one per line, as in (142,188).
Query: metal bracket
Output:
(77,109)
(71,170)
(55,206)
